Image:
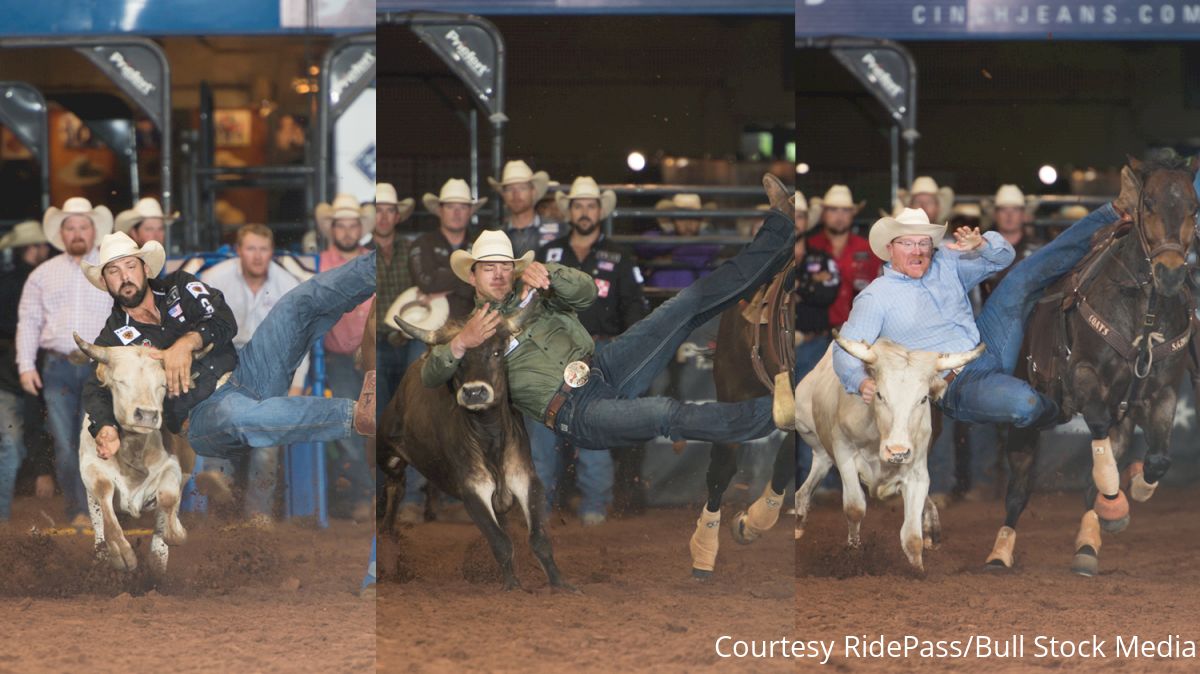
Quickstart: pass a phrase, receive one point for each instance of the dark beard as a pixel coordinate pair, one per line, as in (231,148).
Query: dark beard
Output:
(584,232)
(346,249)
(131,302)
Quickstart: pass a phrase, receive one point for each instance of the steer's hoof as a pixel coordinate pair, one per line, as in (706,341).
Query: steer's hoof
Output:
(701,575)
(1113,512)
(1085,562)
(122,560)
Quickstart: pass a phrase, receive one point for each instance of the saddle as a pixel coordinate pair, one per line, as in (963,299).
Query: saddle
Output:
(771,313)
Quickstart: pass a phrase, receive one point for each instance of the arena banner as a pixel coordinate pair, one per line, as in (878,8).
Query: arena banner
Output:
(354,147)
(1001,19)
(470,52)
(23,112)
(609,7)
(885,71)
(137,71)
(352,71)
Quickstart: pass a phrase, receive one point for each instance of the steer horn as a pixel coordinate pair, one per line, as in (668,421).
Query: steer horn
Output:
(859,349)
(516,322)
(96,353)
(431,337)
(953,361)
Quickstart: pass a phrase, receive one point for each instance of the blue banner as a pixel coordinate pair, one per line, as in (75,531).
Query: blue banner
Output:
(566,7)
(1001,19)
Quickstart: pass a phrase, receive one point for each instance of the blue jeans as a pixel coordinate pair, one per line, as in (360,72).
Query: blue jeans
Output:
(606,412)
(63,384)
(12,448)
(808,355)
(593,469)
(985,391)
(348,454)
(253,408)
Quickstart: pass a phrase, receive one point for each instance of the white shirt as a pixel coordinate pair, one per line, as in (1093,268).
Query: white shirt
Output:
(251,308)
(56,301)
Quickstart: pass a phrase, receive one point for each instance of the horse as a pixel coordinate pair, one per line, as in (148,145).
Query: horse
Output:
(1108,340)
(754,344)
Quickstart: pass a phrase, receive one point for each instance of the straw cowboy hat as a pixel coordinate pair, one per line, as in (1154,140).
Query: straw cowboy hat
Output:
(1008,196)
(101,217)
(517,172)
(966,211)
(924,185)
(411,311)
(145,208)
(491,246)
(385,193)
(26,233)
(838,196)
(910,222)
(118,245)
(801,202)
(455,191)
(344,206)
(682,202)
(585,187)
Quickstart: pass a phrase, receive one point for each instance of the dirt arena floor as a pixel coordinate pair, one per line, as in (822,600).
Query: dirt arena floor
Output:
(233,600)
(1148,586)
(639,609)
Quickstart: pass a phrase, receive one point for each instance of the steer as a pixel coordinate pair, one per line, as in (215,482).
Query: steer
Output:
(885,444)
(469,441)
(143,474)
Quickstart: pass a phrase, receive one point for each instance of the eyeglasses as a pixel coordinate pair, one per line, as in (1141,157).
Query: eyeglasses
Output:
(927,244)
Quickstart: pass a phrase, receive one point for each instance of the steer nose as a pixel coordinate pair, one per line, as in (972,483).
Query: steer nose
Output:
(476,394)
(896,454)
(144,417)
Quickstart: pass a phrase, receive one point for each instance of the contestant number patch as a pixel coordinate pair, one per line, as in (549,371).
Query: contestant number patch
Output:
(127,334)
(197,289)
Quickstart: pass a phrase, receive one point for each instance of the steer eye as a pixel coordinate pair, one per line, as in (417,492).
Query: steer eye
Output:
(924,400)
(879,396)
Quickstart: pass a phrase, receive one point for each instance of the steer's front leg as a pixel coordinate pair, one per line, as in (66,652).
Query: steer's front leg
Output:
(120,553)
(915,490)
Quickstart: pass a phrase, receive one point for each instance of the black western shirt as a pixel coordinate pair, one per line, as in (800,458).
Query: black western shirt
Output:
(619,299)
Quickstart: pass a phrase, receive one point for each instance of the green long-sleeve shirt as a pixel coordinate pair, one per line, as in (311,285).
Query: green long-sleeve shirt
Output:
(552,338)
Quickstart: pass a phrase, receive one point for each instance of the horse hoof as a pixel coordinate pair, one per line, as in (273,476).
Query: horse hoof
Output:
(996,565)
(1139,489)
(1085,562)
(1113,512)
(702,575)
(1114,526)
(741,533)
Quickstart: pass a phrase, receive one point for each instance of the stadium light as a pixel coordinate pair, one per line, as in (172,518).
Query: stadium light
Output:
(1047,174)
(802,168)
(636,161)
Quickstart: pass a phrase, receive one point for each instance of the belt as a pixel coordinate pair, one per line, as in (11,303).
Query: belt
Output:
(559,399)
(950,377)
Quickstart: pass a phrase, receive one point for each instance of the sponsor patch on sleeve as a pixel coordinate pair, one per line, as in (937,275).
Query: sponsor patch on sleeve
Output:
(602,287)
(173,295)
(554,254)
(208,307)
(197,289)
(127,334)
(605,265)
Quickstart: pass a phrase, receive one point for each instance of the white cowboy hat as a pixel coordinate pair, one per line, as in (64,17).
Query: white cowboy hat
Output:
(801,202)
(1009,195)
(682,202)
(411,311)
(343,206)
(455,191)
(924,185)
(147,207)
(516,172)
(101,217)
(910,222)
(491,246)
(585,187)
(966,210)
(25,233)
(118,245)
(385,193)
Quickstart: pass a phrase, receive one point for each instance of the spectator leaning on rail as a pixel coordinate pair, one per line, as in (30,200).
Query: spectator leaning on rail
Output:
(237,400)
(521,190)
(597,406)
(619,304)
(21,251)
(252,284)
(57,301)
(145,222)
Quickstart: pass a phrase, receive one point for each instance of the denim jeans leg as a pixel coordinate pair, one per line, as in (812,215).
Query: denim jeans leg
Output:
(266,363)
(990,396)
(261,476)
(234,419)
(632,360)
(12,450)
(63,388)
(544,448)
(603,423)
(594,475)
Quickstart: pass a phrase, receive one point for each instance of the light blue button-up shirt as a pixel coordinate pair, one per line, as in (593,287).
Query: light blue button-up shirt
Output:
(932,313)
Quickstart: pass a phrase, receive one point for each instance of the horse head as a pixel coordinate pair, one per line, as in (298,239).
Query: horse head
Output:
(1164,211)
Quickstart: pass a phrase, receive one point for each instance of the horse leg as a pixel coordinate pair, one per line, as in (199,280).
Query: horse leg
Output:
(749,525)
(722,466)
(1158,426)
(1109,503)
(1087,546)
(821,464)
(1021,450)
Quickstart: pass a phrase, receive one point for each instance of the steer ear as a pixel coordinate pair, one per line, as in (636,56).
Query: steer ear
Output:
(859,349)
(96,353)
(953,361)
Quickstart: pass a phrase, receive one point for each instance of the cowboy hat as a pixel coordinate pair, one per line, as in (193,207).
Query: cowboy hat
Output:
(682,202)
(924,185)
(385,193)
(145,208)
(344,206)
(585,187)
(516,172)
(25,233)
(966,210)
(118,245)
(491,246)
(455,191)
(425,316)
(1008,196)
(838,196)
(910,222)
(801,202)
(101,217)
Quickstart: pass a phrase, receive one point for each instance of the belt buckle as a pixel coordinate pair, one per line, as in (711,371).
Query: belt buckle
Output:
(576,373)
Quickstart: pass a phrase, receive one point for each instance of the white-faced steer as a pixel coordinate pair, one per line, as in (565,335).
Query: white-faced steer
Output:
(885,444)
(142,474)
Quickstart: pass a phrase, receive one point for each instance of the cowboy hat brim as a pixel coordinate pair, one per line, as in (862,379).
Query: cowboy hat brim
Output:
(406,208)
(101,217)
(886,229)
(608,204)
(540,180)
(461,262)
(152,254)
(432,203)
(127,220)
(427,317)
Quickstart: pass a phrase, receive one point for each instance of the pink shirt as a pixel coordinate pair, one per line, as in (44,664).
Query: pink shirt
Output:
(346,335)
(56,301)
